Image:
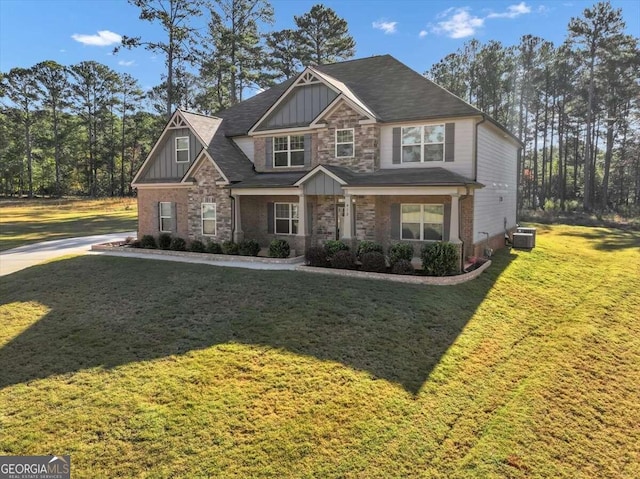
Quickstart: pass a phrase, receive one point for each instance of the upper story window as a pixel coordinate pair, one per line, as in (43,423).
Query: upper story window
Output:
(288,151)
(423,143)
(344,143)
(182,149)
(422,222)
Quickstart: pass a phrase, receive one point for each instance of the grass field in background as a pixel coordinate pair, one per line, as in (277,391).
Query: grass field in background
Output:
(142,368)
(30,221)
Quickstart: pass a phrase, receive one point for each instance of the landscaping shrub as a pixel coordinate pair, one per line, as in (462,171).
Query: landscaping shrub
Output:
(343,259)
(148,242)
(439,259)
(229,247)
(249,248)
(197,246)
(400,251)
(164,241)
(213,247)
(316,256)
(373,261)
(333,246)
(369,247)
(178,244)
(279,249)
(402,266)
(136,243)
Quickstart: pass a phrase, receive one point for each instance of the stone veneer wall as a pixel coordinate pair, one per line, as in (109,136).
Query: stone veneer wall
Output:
(206,177)
(366,141)
(365,218)
(148,200)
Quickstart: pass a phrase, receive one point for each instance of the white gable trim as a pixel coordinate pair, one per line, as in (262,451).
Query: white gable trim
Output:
(197,163)
(317,170)
(303,79)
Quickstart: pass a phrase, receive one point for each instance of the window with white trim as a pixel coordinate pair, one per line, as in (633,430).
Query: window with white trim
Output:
(165,217)
(422,144)
(286,218)
(344,143)
(422,222)
(288,151)
(182,149)
(208,214)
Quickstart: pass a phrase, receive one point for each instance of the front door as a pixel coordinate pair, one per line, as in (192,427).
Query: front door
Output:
(339,220)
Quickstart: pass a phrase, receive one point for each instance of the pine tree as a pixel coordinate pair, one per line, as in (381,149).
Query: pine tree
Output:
(323,37)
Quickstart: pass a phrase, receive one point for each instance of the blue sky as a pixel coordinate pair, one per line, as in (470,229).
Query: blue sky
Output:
(416,32)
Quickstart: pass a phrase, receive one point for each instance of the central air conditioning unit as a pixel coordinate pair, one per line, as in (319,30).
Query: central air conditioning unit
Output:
(523,240)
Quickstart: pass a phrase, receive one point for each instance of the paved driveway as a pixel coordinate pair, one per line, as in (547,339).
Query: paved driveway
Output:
(24,256)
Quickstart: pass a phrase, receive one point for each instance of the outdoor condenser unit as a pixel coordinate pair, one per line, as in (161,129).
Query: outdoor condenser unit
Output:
(523,240)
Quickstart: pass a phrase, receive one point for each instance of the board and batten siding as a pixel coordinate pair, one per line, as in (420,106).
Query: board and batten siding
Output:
(321,184)
(245,143)
(497,170)
(463,148)
(164,165)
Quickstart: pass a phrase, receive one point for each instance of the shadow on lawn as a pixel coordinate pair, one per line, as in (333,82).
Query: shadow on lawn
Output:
(608,239)
(106,312)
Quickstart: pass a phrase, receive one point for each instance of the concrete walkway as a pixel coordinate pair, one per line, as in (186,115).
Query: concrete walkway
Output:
(29,255)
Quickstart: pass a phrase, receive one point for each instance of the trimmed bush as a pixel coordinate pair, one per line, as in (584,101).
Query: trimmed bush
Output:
(213,247)
(164,241)
(316,256)
(333,246)
(197,246)
(178,244)
(343,259)
(402,266)
(229,247)
(369,247)
(439,259)
(400,251)
(249,248)
(279,248)
(373,261)
(148,242)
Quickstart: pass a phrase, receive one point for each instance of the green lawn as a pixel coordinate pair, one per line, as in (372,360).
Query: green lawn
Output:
(30,221)
(141,368)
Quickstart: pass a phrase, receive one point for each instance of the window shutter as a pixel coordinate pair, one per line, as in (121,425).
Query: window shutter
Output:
(449,141)
(397,152)
(395,221)
(268,149)
(157,226)
(309,218)
(270,220)
(174,217)
(307,149)
(447,222)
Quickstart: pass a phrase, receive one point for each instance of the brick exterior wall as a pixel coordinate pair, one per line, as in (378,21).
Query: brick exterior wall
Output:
(323,226)
(365,218)
(466,225)
(206,177)
(148,200)
(366,141)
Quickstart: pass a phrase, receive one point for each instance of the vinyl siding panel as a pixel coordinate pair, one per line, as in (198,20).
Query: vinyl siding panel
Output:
(245,143)
(163,165)
(463,157)
(322,184)
(302,106)
(497,170)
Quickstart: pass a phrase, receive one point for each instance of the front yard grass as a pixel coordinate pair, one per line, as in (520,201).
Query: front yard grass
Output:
(141,368)
(30,221)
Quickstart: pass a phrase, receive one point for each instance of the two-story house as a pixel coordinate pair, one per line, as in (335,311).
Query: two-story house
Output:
(360,150)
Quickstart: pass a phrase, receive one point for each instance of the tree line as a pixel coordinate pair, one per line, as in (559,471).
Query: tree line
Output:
(85,129)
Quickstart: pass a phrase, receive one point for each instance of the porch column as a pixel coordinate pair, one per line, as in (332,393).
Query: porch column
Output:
(454,220)
(302,215)
(238,234)
(347,233)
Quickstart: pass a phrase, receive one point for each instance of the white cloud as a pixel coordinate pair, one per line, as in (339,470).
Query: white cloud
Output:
(458,23)
(423,33)
(386,27)
(513,11)
(102,39)
(125,63)
(63,50)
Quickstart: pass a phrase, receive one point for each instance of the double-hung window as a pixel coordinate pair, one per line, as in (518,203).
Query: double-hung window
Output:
(208,219)
(288,151)
(423,143)
(286,218)
(165,217)
(182,149)
(422,222)
(344,143)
